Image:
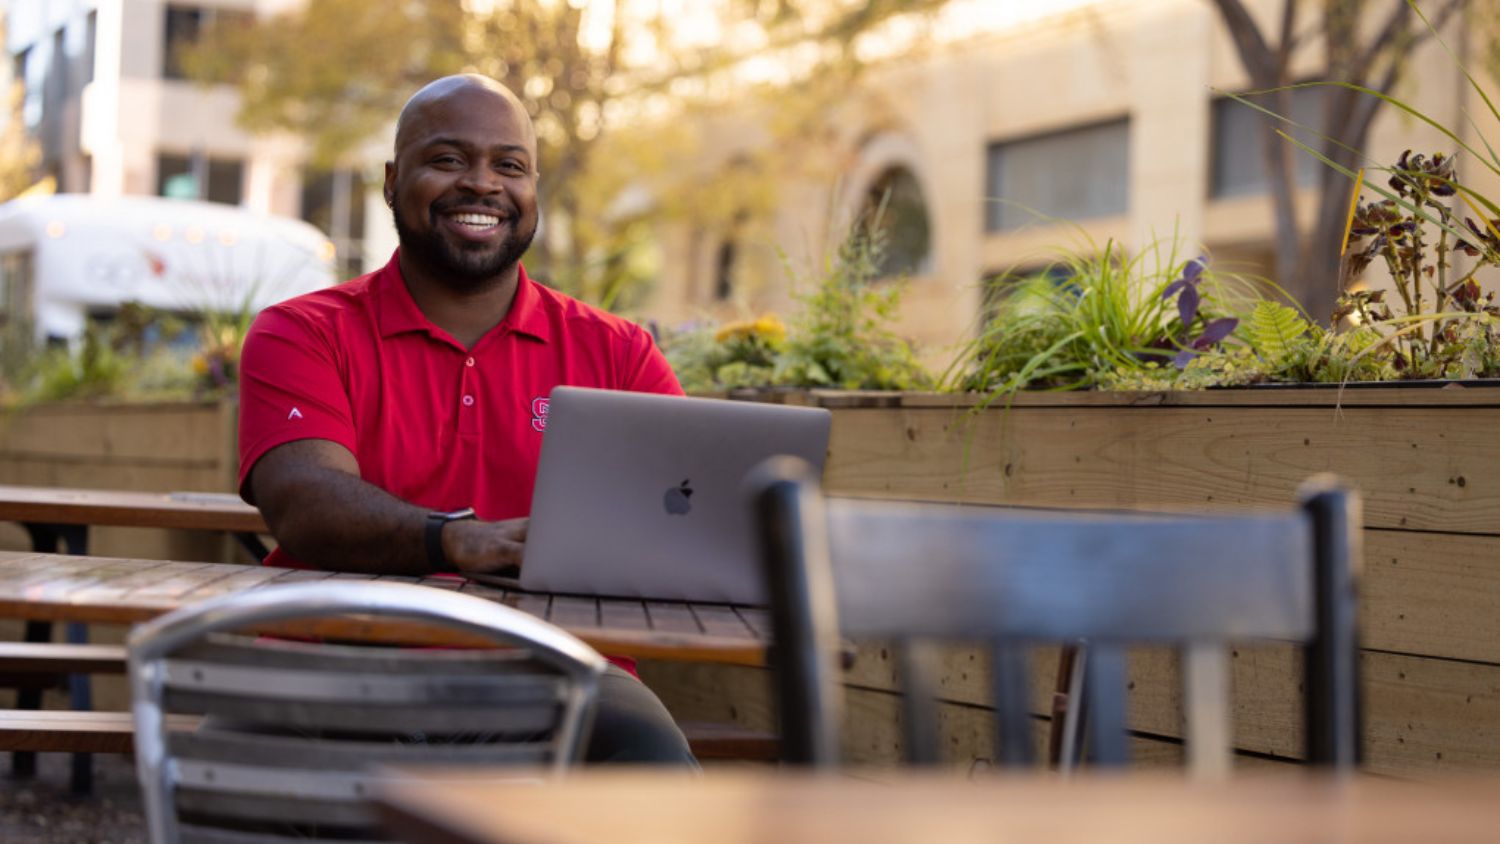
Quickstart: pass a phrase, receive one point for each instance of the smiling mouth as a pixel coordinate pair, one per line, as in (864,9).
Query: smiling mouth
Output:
(476,222)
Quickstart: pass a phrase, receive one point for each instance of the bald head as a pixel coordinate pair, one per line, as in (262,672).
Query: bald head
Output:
(462,186)
(448,87)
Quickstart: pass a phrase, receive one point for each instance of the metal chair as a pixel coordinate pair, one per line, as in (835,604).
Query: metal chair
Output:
(294,731)
(916,573)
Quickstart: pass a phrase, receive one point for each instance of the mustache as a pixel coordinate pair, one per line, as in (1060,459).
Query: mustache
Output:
(443,206)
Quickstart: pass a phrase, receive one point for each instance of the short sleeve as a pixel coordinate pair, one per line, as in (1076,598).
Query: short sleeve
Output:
(650,373)
(290,388)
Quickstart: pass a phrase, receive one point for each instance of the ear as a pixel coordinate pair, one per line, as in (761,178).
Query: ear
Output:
(390,184)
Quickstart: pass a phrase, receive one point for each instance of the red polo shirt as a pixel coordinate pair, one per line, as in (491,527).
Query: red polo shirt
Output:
(429,421)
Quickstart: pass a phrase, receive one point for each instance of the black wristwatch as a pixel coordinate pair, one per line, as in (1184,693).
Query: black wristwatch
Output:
(433,534)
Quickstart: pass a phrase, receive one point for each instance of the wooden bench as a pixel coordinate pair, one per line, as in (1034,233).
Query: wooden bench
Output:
(111,732)
(53,658)
(64,731)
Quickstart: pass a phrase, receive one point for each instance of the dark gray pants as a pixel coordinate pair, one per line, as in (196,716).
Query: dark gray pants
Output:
(632,726)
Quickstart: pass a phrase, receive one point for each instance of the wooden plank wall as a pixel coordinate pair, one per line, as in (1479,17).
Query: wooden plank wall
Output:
(1424,460)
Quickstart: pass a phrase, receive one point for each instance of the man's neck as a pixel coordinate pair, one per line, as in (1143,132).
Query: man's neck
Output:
(465,314)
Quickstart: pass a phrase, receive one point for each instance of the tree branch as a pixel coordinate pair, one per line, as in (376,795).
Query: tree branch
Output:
(1284,47)
(1367,107)
(1255,53)
(1394,26)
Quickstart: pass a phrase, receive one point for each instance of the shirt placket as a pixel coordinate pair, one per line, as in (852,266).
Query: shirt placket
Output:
(469,398)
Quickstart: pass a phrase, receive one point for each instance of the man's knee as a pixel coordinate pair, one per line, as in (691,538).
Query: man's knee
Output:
(632,726)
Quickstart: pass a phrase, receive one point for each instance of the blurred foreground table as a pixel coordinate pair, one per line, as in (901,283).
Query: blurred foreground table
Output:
(478,807)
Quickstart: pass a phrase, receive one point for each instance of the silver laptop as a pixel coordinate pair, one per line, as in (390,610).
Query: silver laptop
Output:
(642,495)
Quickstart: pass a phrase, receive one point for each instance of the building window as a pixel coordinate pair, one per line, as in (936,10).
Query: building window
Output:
(1074,174)
(902,223)
(90,44)
(200,177)
(1239,158)
(724,270)
(998,287)
(334,201)
(185,25)
(57,83)
(30,78)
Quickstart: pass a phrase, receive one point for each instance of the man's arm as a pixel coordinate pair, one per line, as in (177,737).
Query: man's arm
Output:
(319,508)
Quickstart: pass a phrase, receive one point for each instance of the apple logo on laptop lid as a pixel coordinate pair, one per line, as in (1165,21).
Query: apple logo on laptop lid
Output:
(676,499)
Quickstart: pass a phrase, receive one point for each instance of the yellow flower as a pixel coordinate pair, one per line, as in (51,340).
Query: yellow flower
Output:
(770,329)
(733,331)
(200,364)
(767,328)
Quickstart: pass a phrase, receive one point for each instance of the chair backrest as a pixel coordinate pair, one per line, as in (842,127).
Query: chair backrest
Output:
(914,573)
(293,732)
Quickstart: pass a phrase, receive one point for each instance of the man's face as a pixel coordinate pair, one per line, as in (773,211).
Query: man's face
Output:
(463,187)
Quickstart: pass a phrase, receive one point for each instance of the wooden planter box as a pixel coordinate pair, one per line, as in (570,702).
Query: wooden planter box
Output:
(1426,461)
(150,447)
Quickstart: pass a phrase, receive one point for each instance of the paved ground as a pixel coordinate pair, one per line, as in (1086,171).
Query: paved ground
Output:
(42,811)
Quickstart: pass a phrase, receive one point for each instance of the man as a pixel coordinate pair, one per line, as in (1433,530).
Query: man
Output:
(372,412)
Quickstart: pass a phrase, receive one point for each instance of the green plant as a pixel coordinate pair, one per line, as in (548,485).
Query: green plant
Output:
(1098,318)
(707,357)
(841,337)
(131,355)
(1442,322)
(93,370)
(221,335)
(1445,323)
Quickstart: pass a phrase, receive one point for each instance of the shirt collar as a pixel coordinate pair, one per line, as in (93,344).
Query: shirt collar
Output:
(397,312)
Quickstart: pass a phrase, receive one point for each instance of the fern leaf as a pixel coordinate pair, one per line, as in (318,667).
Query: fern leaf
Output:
(1274,329)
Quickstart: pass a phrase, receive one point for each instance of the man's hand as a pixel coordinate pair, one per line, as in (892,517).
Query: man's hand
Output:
(485,547)
(325,515)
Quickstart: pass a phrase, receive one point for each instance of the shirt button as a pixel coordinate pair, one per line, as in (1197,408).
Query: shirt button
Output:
(469,362)
(468,401)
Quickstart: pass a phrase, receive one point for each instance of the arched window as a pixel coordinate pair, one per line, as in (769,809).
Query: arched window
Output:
(902,221)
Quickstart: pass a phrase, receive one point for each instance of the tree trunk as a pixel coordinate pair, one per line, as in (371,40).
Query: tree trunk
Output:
(1308,267)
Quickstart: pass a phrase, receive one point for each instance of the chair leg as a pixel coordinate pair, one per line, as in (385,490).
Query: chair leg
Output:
(1108,740)
(1069,709)
(1060,698)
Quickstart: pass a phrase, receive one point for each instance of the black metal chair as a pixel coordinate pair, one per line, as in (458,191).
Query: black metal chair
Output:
(294,733)
(844,569)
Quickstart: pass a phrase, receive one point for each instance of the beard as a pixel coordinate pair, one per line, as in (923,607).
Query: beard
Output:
(468,268)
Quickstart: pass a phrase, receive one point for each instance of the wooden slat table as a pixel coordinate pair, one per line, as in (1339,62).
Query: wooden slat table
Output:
(79,590)
(56,507)
(58,518)
(179,510)
(479,807)
(107,590)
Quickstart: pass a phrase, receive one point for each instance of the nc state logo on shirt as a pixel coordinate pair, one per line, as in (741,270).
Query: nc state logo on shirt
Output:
(539,414)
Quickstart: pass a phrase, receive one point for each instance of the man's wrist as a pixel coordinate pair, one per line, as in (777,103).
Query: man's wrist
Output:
(437,555)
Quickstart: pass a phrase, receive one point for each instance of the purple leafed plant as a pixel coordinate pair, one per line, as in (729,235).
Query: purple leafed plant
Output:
(1210,332)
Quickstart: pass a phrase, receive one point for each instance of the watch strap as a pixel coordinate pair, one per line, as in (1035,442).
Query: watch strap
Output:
(432,535)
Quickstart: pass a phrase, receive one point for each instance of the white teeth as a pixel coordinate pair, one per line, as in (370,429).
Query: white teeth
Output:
(480,220)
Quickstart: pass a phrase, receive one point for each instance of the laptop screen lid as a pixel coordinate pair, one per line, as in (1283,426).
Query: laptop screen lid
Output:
(642,495)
